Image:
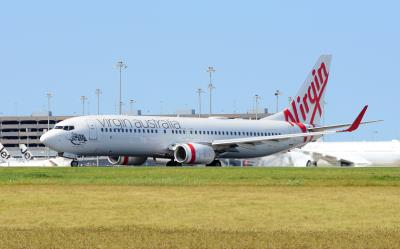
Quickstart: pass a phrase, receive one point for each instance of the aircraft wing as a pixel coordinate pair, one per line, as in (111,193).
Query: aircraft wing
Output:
(322,128)
(256,140)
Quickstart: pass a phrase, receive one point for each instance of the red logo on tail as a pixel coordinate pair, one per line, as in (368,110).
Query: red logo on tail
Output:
(311,101)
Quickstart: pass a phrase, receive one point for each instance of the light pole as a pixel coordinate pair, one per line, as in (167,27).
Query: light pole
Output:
(199,92)
(49,95)
(131,102)
(256,99)
(121,65)
(27,137)
(83,98)
(277,93)
(98,93)
(210,70)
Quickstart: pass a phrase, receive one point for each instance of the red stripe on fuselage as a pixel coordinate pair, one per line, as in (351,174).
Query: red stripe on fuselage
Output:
(125,160)
(193,151)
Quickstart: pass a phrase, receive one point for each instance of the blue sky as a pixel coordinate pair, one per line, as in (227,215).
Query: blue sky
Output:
(70,49)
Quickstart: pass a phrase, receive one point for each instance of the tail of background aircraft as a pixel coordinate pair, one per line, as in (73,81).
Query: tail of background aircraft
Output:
(25,152)
(4,153)
(307,106)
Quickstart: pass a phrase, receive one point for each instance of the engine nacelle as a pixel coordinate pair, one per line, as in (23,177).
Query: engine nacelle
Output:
(126,160)
(193,153)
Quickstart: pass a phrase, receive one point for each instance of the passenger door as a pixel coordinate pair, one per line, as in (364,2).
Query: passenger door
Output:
(92,130)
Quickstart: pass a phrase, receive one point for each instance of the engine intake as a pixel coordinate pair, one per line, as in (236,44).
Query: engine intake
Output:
(193,153)
(126,160)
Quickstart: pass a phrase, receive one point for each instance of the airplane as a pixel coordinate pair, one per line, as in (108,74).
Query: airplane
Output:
(357,154)
(378,153)
(130,140)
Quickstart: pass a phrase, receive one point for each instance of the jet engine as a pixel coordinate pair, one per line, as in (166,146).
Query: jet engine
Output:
(193,153)
(126,160)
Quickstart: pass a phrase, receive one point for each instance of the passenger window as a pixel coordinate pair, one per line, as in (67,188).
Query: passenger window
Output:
(143,130)
(165,131)
(195,132)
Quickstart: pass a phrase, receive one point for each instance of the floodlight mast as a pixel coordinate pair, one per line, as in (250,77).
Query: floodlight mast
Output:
(98,93)
(256,99)
(49,95)
(131,102)
(199,92)
(210,70)
(277,93)
(83,99)
(120,65)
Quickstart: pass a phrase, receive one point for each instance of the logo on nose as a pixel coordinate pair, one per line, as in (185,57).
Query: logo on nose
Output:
(77,139)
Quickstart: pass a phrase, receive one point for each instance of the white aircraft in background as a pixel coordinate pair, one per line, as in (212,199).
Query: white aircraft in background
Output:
(130,140)
(28,160)
(384,153)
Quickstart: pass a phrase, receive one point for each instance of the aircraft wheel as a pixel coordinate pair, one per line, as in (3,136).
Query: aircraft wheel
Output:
(311,163)
(215,163)
(173,163)
(74,163)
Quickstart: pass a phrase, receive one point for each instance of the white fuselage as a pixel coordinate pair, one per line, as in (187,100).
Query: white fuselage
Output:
(108,135)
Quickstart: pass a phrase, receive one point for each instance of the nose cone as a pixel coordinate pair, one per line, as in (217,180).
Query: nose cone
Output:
(44,138)
(48,139)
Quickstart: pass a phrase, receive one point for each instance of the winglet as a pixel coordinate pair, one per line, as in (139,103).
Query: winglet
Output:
(354,126)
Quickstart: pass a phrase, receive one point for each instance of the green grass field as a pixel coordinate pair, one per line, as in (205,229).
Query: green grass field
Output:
(199,207)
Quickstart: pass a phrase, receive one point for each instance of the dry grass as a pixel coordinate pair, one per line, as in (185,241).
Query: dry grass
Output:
(212,212)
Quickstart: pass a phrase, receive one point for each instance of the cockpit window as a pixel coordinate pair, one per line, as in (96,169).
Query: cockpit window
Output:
(65,128)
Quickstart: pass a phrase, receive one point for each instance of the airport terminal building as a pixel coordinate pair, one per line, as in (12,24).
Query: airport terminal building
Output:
(15,130)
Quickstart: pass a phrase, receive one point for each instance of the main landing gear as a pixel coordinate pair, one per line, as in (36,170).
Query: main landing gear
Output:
(311,163)
(215,163)
(74,163)
(173,163)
